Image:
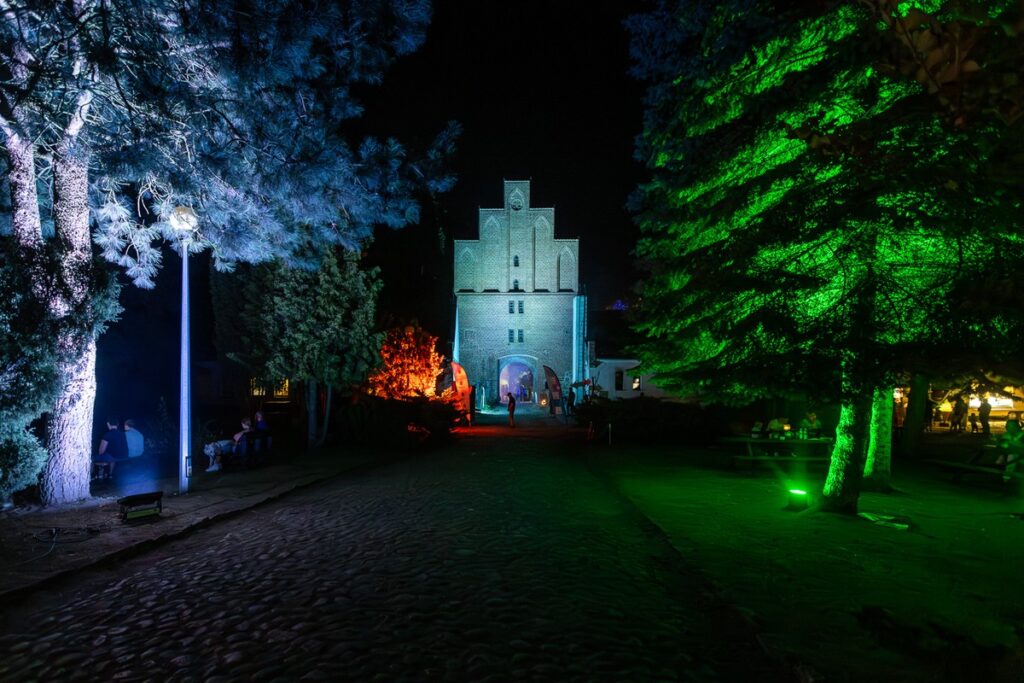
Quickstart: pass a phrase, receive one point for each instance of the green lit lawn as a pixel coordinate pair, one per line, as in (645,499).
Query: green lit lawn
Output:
(953,586)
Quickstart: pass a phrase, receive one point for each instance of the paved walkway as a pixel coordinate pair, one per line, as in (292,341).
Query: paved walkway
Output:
(41,545)
(501,558)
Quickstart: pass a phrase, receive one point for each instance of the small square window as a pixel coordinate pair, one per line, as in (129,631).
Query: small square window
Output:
(511,336)
(520,336)
(520,306)
(636,383)
(511,306)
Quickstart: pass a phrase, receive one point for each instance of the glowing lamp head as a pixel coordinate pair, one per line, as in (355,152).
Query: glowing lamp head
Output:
(183,218)
(798,499)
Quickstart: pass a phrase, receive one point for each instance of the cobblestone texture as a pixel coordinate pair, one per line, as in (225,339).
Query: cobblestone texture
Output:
(477,564)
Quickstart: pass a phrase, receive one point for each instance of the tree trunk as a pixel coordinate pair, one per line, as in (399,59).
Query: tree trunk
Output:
(846,470)
(878,468)
(25,223)
(311,413)
(69,442)
(66,477)
(327,417)
(913,426)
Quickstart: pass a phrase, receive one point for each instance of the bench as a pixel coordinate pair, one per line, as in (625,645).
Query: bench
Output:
(962,469)
(781,458)
(253,449)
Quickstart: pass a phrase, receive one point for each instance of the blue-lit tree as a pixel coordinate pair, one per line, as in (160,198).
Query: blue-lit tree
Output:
(114,112)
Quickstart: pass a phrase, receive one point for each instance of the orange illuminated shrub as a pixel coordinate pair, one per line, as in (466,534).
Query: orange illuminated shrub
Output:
(410,365)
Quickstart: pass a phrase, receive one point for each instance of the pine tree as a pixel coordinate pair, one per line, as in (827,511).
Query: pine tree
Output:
(310,326)
(808,227)
(133,108)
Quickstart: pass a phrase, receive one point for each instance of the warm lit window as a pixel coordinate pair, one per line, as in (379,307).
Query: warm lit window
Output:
(520,336)
(511,336)
(520,306)
(515,261)
(636,383)
(511,306)
(618,380)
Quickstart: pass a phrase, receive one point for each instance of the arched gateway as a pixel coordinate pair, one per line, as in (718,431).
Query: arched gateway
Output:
(517,306)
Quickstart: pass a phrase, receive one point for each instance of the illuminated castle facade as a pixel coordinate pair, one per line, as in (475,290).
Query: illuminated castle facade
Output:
(518,304)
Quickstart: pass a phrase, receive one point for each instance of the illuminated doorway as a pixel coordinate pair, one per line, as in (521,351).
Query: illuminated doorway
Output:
(516,378)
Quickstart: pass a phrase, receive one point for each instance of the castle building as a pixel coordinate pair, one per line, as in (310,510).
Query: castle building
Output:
(518,306)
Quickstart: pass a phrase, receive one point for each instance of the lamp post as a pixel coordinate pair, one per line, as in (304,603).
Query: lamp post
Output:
(184,220)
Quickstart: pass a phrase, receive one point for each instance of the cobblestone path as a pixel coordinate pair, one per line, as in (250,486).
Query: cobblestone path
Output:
(476,564)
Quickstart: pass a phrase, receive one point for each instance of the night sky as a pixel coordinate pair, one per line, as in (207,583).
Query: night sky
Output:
(542,92)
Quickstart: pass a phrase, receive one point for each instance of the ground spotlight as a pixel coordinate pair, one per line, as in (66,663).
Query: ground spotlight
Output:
(798,499)
(141,505)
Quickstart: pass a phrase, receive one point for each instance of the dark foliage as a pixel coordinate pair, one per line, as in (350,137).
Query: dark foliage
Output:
(394,424)
(649,420)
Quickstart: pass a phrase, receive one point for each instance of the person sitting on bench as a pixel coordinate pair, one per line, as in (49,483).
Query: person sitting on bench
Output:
(236,439)
(1011,447)
(113,449)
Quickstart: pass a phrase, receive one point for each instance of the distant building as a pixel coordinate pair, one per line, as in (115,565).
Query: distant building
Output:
(613,372)
(518,305)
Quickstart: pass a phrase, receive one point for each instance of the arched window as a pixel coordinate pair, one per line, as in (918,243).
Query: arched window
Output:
(515,285)
(515,261)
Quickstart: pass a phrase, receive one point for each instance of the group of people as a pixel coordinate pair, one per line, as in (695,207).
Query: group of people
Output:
(568,406)
(960,415)
(218,449)
(117,445)
(810,427)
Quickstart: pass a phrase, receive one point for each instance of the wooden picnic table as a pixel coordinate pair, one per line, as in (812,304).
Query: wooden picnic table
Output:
(977,464)
(758,448)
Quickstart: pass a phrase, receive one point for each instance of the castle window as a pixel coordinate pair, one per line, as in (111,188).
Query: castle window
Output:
(520,336)
(511,306)
(511,336)
(618,380)
(515,261)
(520,306)
(515,285)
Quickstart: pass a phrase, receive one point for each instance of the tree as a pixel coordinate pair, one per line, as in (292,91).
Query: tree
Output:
(410,364)
(807,228)
(311,326)
(132,108)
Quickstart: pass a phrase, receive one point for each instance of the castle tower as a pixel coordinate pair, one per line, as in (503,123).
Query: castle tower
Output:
(518,305)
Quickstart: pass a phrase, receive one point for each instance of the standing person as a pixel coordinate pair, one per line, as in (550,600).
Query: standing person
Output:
(984,410)
(571,401)
(261,424)
(113,449)
(959,414)
(136,442)
(511,410)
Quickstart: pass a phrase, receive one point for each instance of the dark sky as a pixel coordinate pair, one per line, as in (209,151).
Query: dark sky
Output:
(542,92)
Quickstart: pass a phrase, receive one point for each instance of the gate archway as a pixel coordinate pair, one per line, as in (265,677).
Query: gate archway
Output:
(517,375)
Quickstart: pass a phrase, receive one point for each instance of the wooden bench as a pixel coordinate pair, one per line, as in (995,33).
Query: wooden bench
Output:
(962,469)
(780,459)
(761,449)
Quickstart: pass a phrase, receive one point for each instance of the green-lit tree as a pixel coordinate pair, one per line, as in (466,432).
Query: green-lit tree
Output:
(808,225)
(310,326)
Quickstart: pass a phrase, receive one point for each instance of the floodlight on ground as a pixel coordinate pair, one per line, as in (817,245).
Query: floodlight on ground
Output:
(141,505)
(797,499)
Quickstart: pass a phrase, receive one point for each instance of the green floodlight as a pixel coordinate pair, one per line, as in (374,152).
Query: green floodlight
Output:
(798,499)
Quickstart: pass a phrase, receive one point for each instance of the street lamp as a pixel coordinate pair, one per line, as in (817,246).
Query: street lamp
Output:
(184,220)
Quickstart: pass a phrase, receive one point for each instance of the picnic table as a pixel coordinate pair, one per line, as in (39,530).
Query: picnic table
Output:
(981,462)
(761,449)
